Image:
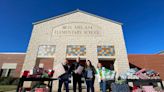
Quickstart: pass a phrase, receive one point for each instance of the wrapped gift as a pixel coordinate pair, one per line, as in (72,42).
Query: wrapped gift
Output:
(50,73)
(158,89)
(79,69)
(131,71)
(151,72)
(143,76)
(45,75)
(137,90)
(140,71)
(25,73)
(148,89)
(110,75)
(41,89)
(59,70)
(37,70)
(123,76)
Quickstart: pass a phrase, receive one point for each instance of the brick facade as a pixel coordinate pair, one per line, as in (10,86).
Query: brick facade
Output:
(148,61)
(13,58)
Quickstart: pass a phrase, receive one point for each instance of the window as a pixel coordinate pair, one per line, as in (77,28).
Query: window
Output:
(105,50)
(46,51)
(4,72)
(11,73)
(7,72)
(1,72)
(75,50)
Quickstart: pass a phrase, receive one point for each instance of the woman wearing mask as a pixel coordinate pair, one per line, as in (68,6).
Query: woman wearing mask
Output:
(89,74)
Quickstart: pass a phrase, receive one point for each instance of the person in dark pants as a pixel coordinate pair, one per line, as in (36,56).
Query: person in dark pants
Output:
(89,74)
(64,78)
(76,76)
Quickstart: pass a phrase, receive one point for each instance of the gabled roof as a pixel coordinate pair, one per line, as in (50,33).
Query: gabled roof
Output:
(75,12)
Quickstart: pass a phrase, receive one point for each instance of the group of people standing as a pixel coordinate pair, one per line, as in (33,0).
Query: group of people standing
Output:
(88,73)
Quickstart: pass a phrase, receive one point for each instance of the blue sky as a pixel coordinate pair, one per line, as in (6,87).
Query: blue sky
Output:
(143,20)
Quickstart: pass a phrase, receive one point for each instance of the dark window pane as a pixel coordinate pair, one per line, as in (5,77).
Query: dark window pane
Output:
(4,71)
(1,72)
(11,72)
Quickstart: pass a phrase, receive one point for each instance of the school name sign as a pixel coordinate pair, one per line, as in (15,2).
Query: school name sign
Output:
(77,29)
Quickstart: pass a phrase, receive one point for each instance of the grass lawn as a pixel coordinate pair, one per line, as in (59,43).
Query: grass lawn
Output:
(7,87)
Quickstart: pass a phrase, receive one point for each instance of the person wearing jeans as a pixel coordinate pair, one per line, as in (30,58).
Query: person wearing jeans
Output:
(103,85)
(101,74)
(89,74)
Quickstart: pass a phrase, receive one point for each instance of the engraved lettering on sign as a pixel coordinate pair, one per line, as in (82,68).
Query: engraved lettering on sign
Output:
(78,29)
